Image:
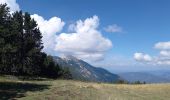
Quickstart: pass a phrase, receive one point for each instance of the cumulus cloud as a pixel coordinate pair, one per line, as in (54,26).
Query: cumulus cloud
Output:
(162,59)
(113,28)
(163,45)
(165,53)
(142,57)
(86,42)
(49,28)
(12,4)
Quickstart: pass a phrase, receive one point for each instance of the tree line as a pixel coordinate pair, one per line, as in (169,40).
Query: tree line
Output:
(126,82)
(21,47)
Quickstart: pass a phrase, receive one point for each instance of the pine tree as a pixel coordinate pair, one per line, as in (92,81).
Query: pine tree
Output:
(5,44)
(18,42)
(21,45)
(33,45)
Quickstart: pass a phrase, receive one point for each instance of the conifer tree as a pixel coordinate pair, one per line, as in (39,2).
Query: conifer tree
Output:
(5,45)
(21,47)
(32,45)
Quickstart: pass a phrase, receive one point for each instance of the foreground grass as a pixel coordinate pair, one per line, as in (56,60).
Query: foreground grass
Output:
(13,88)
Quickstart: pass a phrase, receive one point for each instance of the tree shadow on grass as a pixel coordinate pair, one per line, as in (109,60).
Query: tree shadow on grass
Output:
(14,90)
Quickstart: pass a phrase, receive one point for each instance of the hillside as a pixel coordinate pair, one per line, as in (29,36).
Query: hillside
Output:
(81,70)
(12,88)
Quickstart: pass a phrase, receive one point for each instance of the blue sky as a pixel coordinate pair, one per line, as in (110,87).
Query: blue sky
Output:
(143,24)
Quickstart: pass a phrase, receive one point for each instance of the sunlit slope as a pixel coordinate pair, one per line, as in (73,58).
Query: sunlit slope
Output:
(82,70)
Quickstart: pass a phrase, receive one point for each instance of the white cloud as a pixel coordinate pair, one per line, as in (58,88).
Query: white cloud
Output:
(165,53)
(12,4)
(113,28)
(163,45)
(142,57)
(49,28)
(162,59)
(86,42)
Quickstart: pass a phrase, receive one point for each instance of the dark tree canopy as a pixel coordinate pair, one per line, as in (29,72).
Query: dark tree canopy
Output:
(21,47)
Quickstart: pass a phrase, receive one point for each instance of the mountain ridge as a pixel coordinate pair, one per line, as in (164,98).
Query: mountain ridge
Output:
(82,70)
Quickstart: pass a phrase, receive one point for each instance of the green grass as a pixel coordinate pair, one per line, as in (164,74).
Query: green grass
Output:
(14,88)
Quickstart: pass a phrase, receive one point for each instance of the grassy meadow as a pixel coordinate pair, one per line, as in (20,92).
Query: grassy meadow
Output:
(12,88)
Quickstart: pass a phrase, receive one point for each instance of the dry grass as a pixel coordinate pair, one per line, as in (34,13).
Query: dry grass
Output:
(75,90)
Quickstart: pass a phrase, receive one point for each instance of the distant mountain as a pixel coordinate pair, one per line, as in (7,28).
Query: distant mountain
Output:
(162,73)
(148,77)
(81,70)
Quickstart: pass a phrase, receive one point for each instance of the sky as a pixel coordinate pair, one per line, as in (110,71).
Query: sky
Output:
(119,35)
